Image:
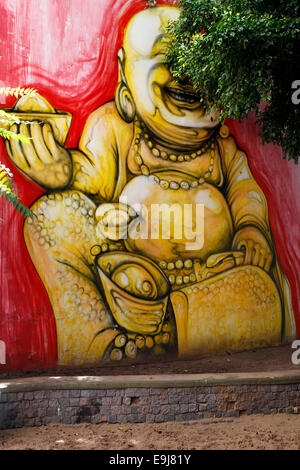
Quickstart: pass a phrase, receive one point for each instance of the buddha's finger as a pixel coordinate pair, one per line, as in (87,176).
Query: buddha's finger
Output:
(28,149)
(19,157)
(262,259)
(50,141)
(249,250)
(268,263)
(255,258)
(21,161)
(39,143)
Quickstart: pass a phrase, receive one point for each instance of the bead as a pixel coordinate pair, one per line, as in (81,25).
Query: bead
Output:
(120,341)
(174,185)
(104,247)
(140,342)
(95,250)
(135,147)
(131,349)
(165,338)
(188,263)
(157,339)
(180,158)
(172,279)
(184,185)
(150,144)
(171,266)
(186,279)
(145,170)
(210,169)
(194,184)
(164,155)
(212,153)
(187,158)
(179,280)
(164,184)
(179,264)
(207,174)
(173,158)
(146,136)
(201,180)
(155,152)
(163,264)
(116,355)
(149,342)
(194,155)
(138,159)
(192,278)
(211,161)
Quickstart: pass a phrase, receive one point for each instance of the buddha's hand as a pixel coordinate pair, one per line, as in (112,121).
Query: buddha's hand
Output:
(43,159)
(256,247)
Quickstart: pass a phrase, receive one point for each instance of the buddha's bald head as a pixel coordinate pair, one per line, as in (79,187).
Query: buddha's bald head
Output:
(146,29)
(147,88)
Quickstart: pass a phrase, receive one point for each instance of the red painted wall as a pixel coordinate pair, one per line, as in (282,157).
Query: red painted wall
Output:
(67,50)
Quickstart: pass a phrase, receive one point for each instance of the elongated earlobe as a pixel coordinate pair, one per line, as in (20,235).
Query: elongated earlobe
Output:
(123,98)
(124,102)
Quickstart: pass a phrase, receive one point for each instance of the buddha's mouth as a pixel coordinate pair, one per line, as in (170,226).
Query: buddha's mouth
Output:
(182,96)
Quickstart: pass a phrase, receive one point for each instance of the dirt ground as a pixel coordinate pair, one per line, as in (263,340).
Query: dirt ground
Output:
(260,360)
(255,432)
(272,432)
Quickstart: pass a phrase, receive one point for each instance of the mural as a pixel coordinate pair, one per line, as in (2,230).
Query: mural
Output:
(153,236)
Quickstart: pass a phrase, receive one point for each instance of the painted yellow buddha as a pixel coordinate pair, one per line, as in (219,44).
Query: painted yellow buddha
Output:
(153,147)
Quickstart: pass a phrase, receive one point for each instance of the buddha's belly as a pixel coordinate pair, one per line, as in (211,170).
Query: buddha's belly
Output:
(178,223)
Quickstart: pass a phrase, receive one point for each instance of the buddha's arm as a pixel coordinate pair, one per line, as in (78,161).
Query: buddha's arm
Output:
(248,206)
(93,168)
(95,160)
(99,163)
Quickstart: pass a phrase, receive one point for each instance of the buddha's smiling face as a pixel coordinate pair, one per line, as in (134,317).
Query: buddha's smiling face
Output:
(169,109)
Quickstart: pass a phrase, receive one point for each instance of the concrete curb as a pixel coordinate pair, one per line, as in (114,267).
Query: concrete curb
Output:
(146,381)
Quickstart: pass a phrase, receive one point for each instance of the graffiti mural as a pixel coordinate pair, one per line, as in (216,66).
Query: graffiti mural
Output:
(152,236)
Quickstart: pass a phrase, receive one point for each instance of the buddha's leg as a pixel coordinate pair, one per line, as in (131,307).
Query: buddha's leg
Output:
(62,243)
(236,310)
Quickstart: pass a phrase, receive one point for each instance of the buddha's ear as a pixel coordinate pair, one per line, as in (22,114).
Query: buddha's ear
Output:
(123,98)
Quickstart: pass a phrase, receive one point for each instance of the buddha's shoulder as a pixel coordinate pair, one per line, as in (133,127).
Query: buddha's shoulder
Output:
(107,118)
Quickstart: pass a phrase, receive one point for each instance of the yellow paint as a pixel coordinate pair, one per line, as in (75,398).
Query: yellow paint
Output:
(236,310)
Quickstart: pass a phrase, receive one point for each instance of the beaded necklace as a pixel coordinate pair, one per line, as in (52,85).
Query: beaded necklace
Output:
(141,134)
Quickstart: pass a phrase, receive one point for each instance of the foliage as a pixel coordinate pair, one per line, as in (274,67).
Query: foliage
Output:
(242,56)
(18,91)
(8,188)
